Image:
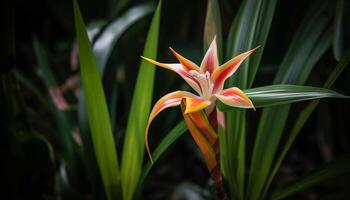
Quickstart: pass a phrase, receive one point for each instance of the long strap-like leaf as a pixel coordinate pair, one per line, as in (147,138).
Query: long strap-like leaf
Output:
(334,169)
(273,95)
(249,30)
(97,111)
(302,55)
(303,117)
(133,150)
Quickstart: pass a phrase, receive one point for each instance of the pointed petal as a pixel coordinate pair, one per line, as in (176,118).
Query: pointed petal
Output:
(235,97)
(210,61)
(187,64)
(193,104)
(226,70)
(178,68)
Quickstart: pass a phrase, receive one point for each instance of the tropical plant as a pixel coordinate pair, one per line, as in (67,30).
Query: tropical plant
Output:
(243,149)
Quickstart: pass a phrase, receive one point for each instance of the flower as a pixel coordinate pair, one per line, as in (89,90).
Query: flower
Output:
(199,111)
(207,80)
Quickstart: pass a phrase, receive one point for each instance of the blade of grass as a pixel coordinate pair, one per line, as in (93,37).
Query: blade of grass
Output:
(301,57)
(335,169)
(97,111)
(133,150)
(283,94)
(304,116)
(212,26)
(169,139)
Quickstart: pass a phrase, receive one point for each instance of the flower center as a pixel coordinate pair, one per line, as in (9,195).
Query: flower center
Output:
(205,83)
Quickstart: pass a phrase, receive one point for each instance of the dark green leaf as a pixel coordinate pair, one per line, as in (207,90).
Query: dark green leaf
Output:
(301,57)
(335,169)
(169,139)
(212,26)
(283,94)
(249,30)
(303,116)
(60,117)
(338,36)
(43,63)
(106,41)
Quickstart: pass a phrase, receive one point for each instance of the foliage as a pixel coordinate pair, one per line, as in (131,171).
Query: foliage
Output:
(93,140)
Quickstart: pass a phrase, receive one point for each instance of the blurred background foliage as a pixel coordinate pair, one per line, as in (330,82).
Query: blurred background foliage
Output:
(40,88)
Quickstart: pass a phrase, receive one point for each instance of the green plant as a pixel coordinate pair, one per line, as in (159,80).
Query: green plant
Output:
(112,159)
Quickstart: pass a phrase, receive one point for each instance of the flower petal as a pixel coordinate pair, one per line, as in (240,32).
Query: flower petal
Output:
(235,97)
(193,104)
(202,123)
(201,141)
(179,69)
(226,70)
(187,64)
(210,61)
(217,118)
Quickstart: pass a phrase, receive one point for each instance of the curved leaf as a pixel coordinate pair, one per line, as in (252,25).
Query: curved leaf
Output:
(303,116)
(249,29)
(310,42)
(283,94)
(105,42)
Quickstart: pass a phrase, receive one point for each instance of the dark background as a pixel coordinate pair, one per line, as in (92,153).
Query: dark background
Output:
(28,171)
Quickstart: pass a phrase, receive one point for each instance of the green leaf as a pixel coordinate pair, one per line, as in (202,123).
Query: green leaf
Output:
(283,94)
(34,89)
(212,26)
(133,150)
(337,168)
(43,63)
(63,124)
(97,111)
(308,45)
(121,4)
(338,35)
(60,117)
(249,30)
(106,41)
(305,51)
(304,116)
(169,139)
(240,39)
